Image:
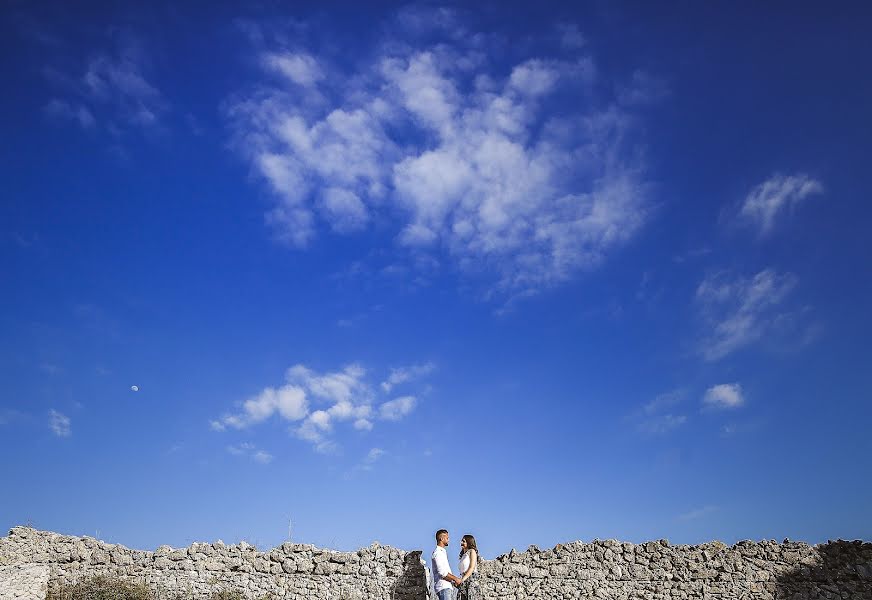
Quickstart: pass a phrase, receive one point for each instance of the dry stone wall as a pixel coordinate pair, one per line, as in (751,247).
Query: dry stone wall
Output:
(601,569)
(291,571)
(610,569)
(24,582)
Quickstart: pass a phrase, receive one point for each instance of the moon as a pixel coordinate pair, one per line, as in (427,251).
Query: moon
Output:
(134,388)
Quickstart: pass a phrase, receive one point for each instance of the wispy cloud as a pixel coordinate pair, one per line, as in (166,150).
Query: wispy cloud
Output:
(570,36)
(59,423)
(316,403)
(489,165)
(657,424)
(724,396)
(249,450)
(643,88)
(768,201)
(240,449)
(396,409)
(373,456)
(74,111)
(738,311)
(697,513)
(8,415)
(405,374)
(659,416)
(262,457)
(367,463)
(663,402)
(301,69)
(110,90)
(51,369)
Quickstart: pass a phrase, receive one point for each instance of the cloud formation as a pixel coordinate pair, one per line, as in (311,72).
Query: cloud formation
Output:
(724,395)
(315,404)
(251,451)
(739,311)
(765,204)
(509,169)
(367,463)
(659,415)
(110,90)
(402,375)
(394,410)
(59,423)
(288,401)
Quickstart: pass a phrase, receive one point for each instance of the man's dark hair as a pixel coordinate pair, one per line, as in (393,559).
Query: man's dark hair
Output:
(440,532)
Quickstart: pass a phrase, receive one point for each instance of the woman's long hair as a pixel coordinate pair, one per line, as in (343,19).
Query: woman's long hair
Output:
(470,543)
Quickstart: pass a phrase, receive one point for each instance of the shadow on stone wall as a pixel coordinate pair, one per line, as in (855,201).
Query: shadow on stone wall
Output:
(844,571)
(412,584)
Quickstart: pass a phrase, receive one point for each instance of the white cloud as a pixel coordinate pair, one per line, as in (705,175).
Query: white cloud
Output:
(301,69)
(367,463)
(288,401)
(363,424)
(262,457)
(111,91)
(251,451)
(724,395)
(317,404)
(373,455)
(347,392)
(570,36)
(658,416)
(458,155)
(534,77)
(342,386)
(406,374)
(240,449)
(419,20)
(344,210)
(59,423)
(396,409)
(320,419)
(780,193)
(662,423)
(740,311)
(664,401)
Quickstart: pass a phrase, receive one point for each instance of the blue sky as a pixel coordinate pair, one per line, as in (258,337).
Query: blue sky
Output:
(535,272)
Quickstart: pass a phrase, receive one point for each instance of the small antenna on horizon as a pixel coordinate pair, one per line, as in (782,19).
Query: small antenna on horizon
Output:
(289,529)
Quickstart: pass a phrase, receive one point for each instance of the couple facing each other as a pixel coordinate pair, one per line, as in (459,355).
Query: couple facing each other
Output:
(444,581)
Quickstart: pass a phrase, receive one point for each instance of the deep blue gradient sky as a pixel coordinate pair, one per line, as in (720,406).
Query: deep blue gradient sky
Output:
(537,272)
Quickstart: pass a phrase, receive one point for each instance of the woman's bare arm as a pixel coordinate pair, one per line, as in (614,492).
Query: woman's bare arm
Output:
(473,561)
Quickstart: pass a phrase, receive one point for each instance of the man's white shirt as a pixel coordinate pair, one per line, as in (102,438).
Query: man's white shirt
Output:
(441,568)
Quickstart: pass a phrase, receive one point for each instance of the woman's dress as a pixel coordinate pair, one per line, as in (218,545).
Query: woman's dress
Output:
(469,589)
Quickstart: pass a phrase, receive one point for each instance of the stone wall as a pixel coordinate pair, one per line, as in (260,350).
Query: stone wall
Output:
(747,570)
(600,569)
(291,571)
(24,582)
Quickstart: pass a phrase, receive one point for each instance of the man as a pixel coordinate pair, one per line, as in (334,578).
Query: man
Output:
(443,580)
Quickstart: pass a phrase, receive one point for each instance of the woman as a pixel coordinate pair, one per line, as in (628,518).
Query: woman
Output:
(468,588)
